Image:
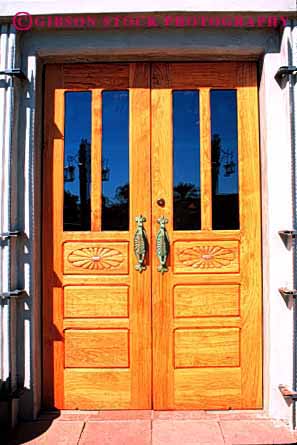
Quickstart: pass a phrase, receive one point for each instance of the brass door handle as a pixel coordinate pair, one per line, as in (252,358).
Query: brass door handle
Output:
(140,243)
(162,245)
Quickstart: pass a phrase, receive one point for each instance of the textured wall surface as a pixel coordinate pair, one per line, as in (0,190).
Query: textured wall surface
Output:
(174,44)
(10,7)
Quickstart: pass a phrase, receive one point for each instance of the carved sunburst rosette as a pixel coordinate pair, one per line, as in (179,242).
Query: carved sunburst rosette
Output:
(96,258)
(206,257)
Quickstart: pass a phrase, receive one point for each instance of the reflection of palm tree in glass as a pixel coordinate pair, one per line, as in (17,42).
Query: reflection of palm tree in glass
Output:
(122,194)
(186,206)
(71,211)
(77,205)
(121,197)
(115,210)
(225,210)
(186,190)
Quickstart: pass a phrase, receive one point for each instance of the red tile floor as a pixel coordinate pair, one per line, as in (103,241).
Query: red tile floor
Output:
(152,428)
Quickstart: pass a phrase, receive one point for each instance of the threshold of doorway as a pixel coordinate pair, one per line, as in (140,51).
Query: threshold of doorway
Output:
(89,415)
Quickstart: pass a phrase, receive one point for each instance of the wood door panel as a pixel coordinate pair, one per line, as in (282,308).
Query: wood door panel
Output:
(90,388)
(206,257)
(206,300)
(96,258)
(97,348)
(87,76)
(96,301)
(196,348)
(199,387)
(187,76)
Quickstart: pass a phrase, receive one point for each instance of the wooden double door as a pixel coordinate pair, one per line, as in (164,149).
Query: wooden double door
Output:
(151,237)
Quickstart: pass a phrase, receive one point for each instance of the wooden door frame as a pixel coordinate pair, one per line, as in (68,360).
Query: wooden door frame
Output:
(46,218)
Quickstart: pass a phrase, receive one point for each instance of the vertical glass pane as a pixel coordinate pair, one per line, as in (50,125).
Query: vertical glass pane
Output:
(77,161)
(115,159)
(224,152)
(186,161)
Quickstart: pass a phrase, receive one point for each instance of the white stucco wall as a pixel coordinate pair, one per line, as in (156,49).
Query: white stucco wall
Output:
(174,44)
(10,7)
(276,215)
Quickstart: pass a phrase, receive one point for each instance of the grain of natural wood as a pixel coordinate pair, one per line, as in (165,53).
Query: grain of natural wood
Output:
(206,300)
(96,301)
(211,387)
(97,389)
(196,348)
(96,258)
(92,348)
(96,160)
(206,257)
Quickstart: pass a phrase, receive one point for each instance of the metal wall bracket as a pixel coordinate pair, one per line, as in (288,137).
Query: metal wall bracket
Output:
(10,234)
(15,72)
(17,293)
(284,72)
(285,293)
(288,393)
(287,237)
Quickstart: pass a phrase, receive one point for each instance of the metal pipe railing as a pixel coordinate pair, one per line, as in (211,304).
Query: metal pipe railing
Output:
(7,51)
(293,127)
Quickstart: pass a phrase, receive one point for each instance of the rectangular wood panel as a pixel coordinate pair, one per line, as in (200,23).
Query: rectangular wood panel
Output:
(206,300)
(94,75)
(97,389)
(95,258)
(211,388)
(96,301)
(188,76)
(97,348)
(206,256)
(196,348)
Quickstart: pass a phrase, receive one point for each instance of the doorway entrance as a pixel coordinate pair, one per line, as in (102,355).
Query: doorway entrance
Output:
(151,237)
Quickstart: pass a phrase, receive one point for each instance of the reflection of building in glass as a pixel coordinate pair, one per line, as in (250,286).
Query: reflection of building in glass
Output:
(220,156)
(84,165)
(77,171)
(105,170)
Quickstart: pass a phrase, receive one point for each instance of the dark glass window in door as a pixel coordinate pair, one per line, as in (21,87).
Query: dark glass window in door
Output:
(224,162)
(115,160)
(186,161)
(77,161)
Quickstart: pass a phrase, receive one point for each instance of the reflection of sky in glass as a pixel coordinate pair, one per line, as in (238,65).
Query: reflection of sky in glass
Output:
(186,136)
(77,127)
(115,139)
(224,123)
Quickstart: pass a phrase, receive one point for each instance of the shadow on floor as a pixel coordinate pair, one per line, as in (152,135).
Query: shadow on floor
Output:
(26,431)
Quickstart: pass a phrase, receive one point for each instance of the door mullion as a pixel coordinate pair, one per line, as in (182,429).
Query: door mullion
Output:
(96,160)
(205,169)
